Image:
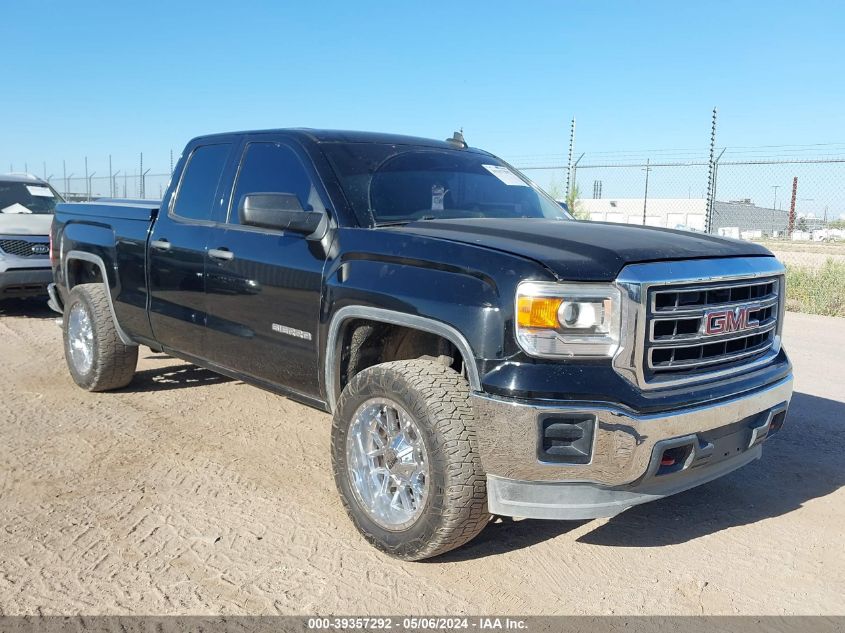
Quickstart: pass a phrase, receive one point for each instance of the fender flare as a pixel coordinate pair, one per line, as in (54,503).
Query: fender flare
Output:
(392,317)
(98,261)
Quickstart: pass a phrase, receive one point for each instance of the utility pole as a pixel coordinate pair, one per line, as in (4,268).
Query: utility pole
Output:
(111,182)
(64,176)
(87,193)
(645,197)
(44,164)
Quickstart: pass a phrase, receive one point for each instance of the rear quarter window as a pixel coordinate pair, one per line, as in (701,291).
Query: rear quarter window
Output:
(195,196)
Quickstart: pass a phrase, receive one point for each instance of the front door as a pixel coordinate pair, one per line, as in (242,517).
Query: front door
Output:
(264,286)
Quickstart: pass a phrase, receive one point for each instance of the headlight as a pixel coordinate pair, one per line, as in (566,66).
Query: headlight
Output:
(576,320)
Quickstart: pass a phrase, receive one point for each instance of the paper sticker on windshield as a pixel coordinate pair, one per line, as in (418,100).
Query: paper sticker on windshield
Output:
(505,175)
(42,192)
(438,192)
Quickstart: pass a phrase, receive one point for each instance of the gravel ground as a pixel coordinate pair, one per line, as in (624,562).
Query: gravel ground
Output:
(189,493)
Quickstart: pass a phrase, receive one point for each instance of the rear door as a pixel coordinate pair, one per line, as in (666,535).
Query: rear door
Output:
(264,285)
(177,248)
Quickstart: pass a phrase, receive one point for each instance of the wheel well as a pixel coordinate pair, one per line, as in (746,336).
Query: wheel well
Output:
(80,271)
(365,343)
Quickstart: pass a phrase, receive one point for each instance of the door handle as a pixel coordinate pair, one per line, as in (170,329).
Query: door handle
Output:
(160,245)
(221,254)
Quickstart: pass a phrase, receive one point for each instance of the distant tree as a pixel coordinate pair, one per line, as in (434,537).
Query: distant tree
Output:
(555,190)
(573,203)
(573,200)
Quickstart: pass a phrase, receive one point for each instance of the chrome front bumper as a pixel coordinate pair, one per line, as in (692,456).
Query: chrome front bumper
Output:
(624,465)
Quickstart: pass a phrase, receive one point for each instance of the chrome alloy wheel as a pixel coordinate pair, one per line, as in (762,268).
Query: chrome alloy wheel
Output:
(80,334)
(388,463)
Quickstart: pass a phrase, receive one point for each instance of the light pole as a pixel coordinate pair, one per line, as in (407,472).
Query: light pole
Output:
(645,197)
(774,207)
(89,185)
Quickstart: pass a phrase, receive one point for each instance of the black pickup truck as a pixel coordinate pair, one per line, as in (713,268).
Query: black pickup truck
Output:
(481,351)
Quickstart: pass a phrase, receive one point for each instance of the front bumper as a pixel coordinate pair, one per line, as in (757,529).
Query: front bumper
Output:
(28,282)
(624,466)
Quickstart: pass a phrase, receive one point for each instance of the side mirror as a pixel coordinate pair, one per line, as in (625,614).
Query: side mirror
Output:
(279,212)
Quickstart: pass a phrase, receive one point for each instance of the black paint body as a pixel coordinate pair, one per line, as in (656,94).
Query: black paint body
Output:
(461,272)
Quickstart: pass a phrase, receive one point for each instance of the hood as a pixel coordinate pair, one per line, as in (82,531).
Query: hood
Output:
(25,223)
(584,251)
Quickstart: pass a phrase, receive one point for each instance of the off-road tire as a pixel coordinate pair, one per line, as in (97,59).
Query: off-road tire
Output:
(456,505)
(114,362)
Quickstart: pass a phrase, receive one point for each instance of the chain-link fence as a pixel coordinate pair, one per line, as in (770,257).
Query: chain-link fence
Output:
(793,206)
(780,197)
(151,186)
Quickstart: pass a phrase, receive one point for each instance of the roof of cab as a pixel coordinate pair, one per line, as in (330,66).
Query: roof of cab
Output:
(343,136)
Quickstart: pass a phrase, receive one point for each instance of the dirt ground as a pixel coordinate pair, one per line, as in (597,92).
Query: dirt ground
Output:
(189,493)
(810,254)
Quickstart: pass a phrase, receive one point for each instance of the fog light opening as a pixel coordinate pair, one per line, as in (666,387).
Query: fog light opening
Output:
(674,459)
(777,422)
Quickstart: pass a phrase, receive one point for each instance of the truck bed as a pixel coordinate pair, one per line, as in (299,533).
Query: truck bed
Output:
(118,209)
(114,233)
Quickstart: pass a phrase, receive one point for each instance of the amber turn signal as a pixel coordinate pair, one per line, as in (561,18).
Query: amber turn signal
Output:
(538,312)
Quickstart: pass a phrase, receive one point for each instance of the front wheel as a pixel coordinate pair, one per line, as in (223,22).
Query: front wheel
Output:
(405,459)
(96,357)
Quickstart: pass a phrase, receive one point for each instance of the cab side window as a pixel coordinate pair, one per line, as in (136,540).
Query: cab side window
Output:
(195,197)
(274,168)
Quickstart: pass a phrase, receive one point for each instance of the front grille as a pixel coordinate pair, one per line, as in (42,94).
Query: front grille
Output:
(696,328)
(24,248)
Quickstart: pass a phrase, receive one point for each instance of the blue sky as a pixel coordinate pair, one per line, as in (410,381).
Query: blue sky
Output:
(91,78)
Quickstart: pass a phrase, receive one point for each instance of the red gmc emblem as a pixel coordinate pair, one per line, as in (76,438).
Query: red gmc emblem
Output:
(727,321)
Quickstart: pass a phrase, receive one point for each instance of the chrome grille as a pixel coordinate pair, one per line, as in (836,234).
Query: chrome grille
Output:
(678,340)
(24,247)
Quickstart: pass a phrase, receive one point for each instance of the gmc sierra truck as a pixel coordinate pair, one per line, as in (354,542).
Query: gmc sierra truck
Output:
(481,352)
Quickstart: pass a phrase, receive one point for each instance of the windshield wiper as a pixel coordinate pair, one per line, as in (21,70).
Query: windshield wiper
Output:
(392,223)
(401,222)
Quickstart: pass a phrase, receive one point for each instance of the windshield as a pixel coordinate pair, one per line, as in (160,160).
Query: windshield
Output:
(27,197)
(393,184)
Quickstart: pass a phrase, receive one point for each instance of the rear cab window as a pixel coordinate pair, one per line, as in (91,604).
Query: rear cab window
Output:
(198,186)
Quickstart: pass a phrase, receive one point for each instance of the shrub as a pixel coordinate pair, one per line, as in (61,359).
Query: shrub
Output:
(816,290)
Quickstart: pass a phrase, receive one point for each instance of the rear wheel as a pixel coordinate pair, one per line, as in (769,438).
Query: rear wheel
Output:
(96,357)
(405,459)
